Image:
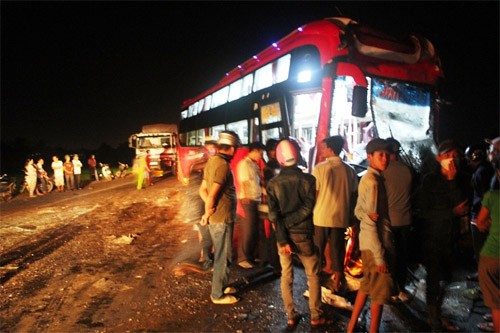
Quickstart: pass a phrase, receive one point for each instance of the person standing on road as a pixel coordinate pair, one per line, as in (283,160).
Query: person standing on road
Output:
(291,197)
(206,255)
(488,219)
(142,169)
(398,183)
(77,170)
(250,196)
(375,238)
(41,176)
(147,171)
(92,163)
(58,168)
(30,171)
(218,192)
(440,202)
(69,174)
(336,186)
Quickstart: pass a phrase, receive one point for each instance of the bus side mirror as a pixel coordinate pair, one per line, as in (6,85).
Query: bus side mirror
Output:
(359,101)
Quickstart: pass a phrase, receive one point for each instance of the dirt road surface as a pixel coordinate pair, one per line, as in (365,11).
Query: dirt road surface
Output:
(104,259)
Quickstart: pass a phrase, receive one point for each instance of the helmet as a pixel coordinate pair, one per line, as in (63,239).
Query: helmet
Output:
(286,153)
(476,152)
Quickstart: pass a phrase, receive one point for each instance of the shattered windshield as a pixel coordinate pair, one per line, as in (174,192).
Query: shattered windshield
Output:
(402,111)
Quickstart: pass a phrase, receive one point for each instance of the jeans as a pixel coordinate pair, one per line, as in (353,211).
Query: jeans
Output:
(222,237)
(70,181)
(312,268)
(206,242)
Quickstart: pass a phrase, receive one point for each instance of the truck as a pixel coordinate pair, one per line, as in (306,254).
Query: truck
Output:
(160,142)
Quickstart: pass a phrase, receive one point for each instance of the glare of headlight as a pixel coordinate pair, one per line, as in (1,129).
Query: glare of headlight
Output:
(304,76)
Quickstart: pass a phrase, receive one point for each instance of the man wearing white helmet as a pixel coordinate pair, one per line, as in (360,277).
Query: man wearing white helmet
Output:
(218,192)
(291,198)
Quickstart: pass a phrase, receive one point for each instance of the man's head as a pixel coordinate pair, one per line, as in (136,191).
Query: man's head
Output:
(494,150)
(286,153)
(449,153)
(271,148)
(394,147)
(476,153)
(256,151)
(228,142)
(335,144)
(377,151)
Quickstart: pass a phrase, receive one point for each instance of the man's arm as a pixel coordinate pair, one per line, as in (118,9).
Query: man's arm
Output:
(209,198)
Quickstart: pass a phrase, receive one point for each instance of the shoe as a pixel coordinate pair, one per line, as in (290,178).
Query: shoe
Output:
(395,299)
(447,326)
(245,264)
(294,321)
(486,327)
(230,291)
(403,296)
(321,321)
(226,299)
(488,317)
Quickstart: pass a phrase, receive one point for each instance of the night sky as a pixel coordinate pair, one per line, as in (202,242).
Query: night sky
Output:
(80,74)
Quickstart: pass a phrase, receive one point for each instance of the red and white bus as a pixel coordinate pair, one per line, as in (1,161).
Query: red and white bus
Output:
(328,77)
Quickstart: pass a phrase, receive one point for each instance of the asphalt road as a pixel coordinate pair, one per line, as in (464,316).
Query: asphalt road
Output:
(62,270)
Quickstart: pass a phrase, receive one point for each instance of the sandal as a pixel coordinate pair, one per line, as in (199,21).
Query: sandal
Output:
(447,326)
(321,321)
(294,321)
(486,327)
(488,317)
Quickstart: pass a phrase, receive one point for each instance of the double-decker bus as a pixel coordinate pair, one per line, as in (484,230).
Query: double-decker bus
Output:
(328,77)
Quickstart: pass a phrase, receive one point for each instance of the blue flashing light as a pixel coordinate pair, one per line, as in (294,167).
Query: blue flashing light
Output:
(239,66)
(275,45)
(300,29)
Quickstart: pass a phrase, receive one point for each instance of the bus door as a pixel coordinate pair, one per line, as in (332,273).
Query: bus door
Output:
(305,112)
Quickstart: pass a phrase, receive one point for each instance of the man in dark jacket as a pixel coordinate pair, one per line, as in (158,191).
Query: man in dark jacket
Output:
(291,199)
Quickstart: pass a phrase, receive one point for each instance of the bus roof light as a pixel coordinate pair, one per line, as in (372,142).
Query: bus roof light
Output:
(304,76)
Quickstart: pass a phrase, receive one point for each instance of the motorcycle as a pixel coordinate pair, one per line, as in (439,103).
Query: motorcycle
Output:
(122,170)
(7,187)
(106,172)
(49,185)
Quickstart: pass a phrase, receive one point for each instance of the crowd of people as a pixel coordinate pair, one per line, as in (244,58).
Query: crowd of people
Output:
(66,175)
(392,207)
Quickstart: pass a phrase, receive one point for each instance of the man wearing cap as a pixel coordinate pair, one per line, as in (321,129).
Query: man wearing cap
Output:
(218,192)
(375,238)
(440,202)
(250,195)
